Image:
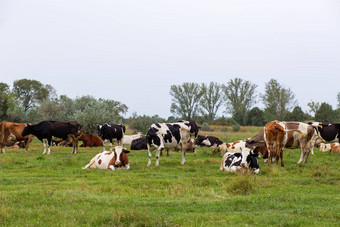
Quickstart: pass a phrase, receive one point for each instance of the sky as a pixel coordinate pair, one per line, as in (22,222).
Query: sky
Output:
(133,51)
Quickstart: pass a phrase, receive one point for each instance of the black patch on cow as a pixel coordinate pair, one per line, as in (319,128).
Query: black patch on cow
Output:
(139,144)
(158,125)
(252,160)
(230,159)
(175,131)
(152,138)
(168,137)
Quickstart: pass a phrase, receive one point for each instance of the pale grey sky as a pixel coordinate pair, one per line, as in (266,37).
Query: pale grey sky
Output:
(133,51)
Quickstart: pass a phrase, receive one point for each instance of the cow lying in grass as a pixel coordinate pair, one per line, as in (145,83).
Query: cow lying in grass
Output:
(335,149)
(327,146)
(110,160)
(245,159)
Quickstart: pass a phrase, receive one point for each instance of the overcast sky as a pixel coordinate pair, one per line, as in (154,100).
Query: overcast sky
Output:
(133,51)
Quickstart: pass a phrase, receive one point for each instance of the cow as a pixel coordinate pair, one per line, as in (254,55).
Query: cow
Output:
(111,132)
(139,144)
(232,161)
(335,149)
(174,135)
(327,132)
(189,147)
(129,138)
(230,147)
(110,160)
(45,130)
(12,131)
(327,147)
(90,140)
(202,141)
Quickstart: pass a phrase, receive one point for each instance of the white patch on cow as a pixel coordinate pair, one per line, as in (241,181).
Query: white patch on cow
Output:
(206,142)
(118,150)
(45,144)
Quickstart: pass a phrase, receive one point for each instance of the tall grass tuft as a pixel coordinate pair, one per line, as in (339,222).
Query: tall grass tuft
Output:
(244,184)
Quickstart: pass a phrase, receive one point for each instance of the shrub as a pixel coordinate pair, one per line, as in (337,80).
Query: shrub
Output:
(235,127)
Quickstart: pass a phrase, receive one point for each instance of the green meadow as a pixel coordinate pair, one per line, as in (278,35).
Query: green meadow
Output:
(53,190)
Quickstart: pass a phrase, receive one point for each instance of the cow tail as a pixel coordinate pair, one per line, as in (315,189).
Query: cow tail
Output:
(296,130)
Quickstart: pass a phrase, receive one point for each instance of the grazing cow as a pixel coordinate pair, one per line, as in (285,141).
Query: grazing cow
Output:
(111,132)
(327,147)
(327,132)
(234,161)
(45,130)
(12,131)
(175,135)
(139,144)
(129,138)
(110,160)
(90,140)
(335,149)
(202,141)
(275,136)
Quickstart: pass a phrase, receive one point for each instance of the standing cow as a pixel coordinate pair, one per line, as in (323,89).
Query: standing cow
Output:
(175,135)
(327,132)
(13,130)
(45,130)
(111,132)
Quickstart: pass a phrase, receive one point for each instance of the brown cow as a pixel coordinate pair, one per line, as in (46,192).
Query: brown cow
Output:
(13,130)
(335,149)
(275,136)
(90,140)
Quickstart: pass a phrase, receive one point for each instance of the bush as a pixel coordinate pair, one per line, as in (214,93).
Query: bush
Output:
(235,127)
(206,127)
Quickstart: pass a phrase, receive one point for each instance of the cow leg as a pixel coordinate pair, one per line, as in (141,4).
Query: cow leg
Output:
(150,154)
(111,145)
(45,145)
(49,146)
(281,157)
(74,143)
(183,156)
(157,156)
(303,151)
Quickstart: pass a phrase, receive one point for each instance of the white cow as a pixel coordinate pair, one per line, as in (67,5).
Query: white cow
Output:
(128,138)
(110,160)
(327,146)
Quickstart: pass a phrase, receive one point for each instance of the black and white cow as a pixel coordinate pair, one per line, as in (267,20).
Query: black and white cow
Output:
(45,130)
(327,132)
(111,132)
(174,135)
(202,141)
(236,161)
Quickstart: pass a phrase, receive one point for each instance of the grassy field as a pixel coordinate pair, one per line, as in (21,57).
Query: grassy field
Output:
(44,190)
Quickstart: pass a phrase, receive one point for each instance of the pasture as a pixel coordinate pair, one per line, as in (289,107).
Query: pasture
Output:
(44,190)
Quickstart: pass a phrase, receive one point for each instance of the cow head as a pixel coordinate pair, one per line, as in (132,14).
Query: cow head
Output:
(99,128)
(253,163)
(190,146)
(121,156)
(193,128)
(27,130)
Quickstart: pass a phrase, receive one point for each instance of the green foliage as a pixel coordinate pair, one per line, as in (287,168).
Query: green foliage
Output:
(186,100)
(235,127)
(254,117)
(143,123)
(278,100)
(296,115)
(313,107)
(4,100)
(325,113)
(224,121)
(240,95)
(30,92)
(211,100)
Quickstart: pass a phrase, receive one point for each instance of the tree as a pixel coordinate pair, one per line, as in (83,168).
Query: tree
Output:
(211,100)
(325,113)
(4,100)
(143,123)
(338,98)
(254,117)
(185,100)
(91,112)
(296,115)
(313,106)
(278,101)
(240,97)
(29,92)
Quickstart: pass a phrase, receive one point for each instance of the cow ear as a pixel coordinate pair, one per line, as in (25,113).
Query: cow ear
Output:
(126,151)
(255,154)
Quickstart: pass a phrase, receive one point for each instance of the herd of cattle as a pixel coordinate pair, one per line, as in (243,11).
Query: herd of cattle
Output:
(182,136)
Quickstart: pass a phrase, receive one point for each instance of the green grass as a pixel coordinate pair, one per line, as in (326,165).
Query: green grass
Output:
(45,190)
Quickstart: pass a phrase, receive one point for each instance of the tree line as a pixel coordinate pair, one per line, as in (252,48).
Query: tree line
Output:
(31,101)
(238,98)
